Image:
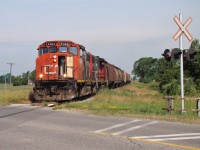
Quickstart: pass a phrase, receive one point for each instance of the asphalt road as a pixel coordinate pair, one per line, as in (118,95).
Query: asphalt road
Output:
(24,127)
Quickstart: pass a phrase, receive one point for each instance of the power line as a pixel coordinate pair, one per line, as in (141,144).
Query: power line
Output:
(11,64)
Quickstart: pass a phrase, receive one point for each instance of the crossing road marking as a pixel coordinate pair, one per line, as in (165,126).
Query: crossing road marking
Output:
(165,143)
(167,137)
(170,137)
(157,139)
(133,128)
(175,139)
(117,125)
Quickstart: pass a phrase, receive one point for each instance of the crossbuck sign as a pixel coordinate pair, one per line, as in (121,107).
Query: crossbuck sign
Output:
(182,28)
(179,34)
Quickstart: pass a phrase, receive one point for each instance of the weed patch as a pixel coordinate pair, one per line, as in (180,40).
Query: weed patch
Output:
(14,94)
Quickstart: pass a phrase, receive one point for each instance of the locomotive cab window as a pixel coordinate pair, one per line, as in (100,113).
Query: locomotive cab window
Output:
(62,49)
(52,49)
(73,50)
(43,51)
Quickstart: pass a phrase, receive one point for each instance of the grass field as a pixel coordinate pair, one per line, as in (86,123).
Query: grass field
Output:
(14,94)
(134,100)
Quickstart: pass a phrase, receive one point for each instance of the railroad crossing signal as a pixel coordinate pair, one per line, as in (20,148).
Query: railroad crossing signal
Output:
(191,54)
(167,54)
(182,28)
(175,53)
(172,54)
(179,34)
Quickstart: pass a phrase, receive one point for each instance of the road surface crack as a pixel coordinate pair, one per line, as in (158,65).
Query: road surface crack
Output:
(133,142)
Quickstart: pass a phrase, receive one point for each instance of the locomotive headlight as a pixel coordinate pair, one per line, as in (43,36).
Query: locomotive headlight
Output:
(65,75)
(41,75)
(54,60)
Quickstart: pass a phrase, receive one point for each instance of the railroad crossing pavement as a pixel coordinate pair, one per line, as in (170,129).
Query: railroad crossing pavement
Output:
(33,127)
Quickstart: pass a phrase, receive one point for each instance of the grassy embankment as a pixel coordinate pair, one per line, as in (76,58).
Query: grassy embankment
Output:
(14,94)
(134,100)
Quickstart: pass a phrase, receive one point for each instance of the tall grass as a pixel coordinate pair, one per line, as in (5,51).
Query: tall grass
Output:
(134,101)
(14,94)
(121,102)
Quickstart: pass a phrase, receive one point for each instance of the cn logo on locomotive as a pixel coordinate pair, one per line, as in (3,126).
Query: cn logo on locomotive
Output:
(47,68)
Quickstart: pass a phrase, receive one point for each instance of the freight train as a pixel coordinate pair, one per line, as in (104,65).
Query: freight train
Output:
(65,70)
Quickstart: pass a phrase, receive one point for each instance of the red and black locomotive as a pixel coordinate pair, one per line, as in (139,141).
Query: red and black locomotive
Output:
(65,70)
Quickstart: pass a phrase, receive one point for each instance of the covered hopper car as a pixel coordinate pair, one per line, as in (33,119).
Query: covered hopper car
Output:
(65,70)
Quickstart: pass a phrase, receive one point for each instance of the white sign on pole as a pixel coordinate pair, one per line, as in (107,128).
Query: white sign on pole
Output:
(183,28)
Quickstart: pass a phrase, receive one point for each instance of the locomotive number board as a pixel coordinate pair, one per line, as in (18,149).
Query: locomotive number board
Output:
(51,44)
(56,43)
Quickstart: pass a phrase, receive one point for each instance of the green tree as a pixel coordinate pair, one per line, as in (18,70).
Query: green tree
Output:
(146,69)
(168,77)
(192,68)
(195,44)
(32,76)
(168,73)
(21,79)
(7,76)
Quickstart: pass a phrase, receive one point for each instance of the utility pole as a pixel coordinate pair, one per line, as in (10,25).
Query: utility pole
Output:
(11,64)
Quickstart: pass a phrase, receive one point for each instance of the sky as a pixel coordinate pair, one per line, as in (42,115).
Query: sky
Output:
(121,31)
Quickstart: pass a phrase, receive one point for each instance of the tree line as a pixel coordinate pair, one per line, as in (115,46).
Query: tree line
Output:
(167,74)
(24,79)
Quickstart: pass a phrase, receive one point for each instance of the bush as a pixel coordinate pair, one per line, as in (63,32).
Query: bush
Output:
(171,89)
(190,87)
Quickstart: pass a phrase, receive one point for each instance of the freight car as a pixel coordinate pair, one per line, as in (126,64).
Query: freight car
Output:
(65,70)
